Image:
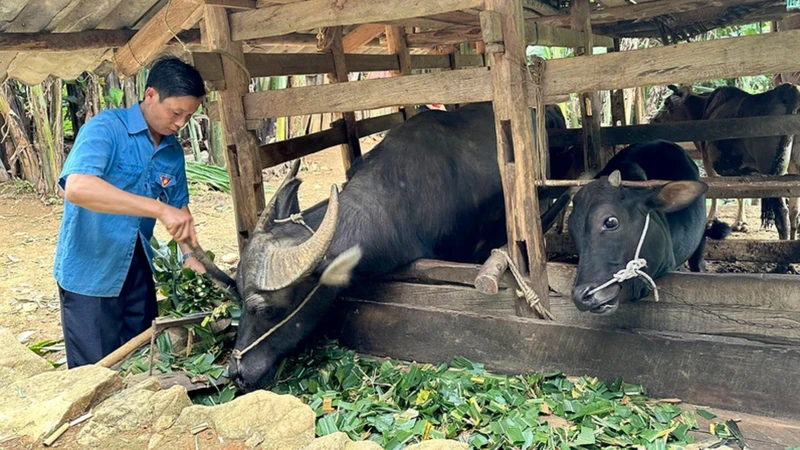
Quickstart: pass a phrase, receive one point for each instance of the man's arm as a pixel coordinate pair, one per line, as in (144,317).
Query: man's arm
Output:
(191,262)
(94,193)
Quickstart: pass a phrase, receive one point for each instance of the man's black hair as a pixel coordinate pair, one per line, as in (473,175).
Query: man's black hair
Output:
(172,77)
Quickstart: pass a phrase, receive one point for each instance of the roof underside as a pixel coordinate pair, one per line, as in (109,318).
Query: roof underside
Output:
(666,20)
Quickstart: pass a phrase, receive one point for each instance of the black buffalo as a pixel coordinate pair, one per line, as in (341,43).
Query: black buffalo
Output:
(430,189)
(607,221)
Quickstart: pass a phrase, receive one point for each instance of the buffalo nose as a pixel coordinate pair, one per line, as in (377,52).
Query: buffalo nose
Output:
(580,297)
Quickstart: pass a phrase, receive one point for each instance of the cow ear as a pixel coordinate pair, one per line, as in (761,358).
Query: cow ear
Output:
(340,271)
(676,195)
(286,202)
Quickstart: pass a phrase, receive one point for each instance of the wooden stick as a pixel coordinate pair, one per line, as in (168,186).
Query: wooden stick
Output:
(488,279)
(57,434)
(120,353)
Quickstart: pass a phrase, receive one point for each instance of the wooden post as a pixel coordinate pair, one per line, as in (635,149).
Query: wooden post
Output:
(352,149)
(244,165)
(521,148)
(590,101)
(396,43)
(617,100)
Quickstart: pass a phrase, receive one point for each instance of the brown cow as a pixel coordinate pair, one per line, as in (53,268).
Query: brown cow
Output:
(746,156)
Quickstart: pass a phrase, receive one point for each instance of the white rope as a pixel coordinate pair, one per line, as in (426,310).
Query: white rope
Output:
(530,295)
(633,269)
(296,218)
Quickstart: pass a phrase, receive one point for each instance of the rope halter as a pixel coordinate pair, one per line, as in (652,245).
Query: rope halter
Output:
(633,269)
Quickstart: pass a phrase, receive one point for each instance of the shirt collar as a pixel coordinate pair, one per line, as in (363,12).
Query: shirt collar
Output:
(136,122)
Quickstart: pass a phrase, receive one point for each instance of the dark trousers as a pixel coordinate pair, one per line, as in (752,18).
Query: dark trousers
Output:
(96,326)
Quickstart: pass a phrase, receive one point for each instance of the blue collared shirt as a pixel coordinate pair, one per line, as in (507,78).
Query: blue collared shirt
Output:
(95,249)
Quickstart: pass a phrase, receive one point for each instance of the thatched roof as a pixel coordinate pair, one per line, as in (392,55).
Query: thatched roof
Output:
(668,20)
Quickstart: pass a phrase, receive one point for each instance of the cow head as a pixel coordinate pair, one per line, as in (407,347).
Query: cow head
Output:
(606,224)
(681,105)
(285,283)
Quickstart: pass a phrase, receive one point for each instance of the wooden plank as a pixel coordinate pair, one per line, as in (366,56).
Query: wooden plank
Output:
(241,145)
(290,149)
(283,19)
(353,40)
(350,149)
(521,144)
(146,44)
(721,187)
(64,42)
(722,58)
(232,4)
(125,15)
(85,15)
(457,86)
(727,250)
(719,372)
(706,130)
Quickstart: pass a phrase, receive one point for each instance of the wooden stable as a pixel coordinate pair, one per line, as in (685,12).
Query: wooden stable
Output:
(730,341)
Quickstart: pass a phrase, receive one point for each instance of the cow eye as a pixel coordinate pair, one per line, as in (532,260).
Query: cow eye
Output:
(610,223)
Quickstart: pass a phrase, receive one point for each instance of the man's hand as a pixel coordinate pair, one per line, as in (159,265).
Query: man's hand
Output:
(179,223)
(194,264)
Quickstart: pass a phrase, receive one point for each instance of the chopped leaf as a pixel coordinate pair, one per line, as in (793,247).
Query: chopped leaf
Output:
(705,414)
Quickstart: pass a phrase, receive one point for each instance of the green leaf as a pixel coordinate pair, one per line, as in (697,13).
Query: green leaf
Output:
(585,437)
(705,414)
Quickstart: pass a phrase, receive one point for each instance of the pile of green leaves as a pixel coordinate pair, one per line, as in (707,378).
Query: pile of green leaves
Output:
(211,175)
(187,291)
(397,404)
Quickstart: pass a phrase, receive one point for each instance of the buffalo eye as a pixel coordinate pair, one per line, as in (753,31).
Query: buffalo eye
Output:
(611,223)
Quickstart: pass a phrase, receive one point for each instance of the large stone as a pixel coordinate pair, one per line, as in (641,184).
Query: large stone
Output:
(341,441)
(438,444)
(261,418)
(37,406)
(17,362)
(142,407)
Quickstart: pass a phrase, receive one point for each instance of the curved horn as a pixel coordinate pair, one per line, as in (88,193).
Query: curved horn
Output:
(284,266)
(263,220)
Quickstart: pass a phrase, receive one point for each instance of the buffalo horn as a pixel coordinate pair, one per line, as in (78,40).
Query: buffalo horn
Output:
(615,178)
(263,220)
(284,266)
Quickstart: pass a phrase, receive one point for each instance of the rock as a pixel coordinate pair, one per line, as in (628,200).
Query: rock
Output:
(142,407)
(230,258)
(17,363)
(341,441)
(37,406)
(438,444)
(278,421)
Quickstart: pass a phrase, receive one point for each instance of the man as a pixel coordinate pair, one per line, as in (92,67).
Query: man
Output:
(125,171)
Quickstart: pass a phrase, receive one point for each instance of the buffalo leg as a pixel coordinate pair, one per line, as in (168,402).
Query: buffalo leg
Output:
(708,165)
(741,219)
(697,261)
(794,217)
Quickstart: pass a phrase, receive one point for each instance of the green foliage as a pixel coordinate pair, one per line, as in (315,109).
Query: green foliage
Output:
(397,404)
(213,176)
(115,97)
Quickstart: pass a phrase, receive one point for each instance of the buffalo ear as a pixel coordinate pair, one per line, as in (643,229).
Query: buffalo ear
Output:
(340,271)
(676,195)
(286,201)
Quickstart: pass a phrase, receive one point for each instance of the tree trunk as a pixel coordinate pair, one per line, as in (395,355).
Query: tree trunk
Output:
(24,153)
(45,141)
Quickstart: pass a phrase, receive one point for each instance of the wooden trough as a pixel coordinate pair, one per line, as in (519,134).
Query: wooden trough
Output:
(729,341)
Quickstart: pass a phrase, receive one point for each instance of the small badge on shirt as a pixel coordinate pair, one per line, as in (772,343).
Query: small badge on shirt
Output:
(165,180)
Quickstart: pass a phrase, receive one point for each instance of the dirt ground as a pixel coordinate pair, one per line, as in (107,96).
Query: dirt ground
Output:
(29,230)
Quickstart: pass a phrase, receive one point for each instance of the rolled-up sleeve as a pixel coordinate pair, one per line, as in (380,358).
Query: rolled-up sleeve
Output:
(92,150)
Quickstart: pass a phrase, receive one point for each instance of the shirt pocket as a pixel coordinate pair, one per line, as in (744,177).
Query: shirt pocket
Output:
(164,183)
(126,176)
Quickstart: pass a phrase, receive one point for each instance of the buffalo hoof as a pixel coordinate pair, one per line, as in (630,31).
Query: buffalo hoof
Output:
(739,227)
(787,269)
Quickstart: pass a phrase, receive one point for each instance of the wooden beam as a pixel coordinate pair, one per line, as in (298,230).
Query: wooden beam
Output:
(232,4)
(396,44)
(535,34)
(456,86)
(351,149)
(721,187)
(719,372)
(290,149)
(695,130)
(242,148)
(80,40)
(147,43)
(733,57)
(276,64)
(731,250)
(593,159)
(521,144)
(284,19)
(353,40)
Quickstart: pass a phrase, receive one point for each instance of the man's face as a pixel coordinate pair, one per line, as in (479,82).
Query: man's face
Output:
(168,116)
